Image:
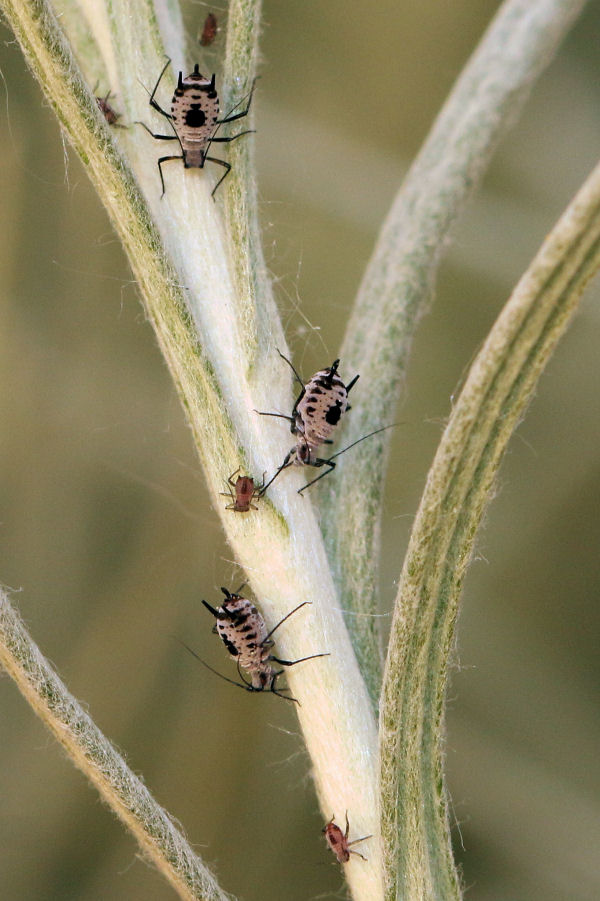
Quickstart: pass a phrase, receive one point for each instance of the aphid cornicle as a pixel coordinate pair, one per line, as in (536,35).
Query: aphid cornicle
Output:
(338,840)
(242,492)
(194,118)
(243,630)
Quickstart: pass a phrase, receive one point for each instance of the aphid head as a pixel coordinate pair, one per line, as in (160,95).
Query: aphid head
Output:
(303,454)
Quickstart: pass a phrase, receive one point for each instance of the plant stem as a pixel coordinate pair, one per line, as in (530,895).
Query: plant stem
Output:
(417,848)
(204,293)
(398,283)
(87,747)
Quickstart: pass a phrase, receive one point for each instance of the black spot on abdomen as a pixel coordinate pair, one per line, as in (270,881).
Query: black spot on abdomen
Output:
(333,414)
(195,118)
(230,647)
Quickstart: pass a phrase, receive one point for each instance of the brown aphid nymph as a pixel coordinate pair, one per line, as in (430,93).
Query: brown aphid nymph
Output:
(242,492)
(107,111)
(338,840)
(209,30)
(194,118)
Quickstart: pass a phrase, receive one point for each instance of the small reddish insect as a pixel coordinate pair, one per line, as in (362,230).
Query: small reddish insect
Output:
(245,492)
(338,840)
(107,111)
(209,31)
(243,631)
(194,120)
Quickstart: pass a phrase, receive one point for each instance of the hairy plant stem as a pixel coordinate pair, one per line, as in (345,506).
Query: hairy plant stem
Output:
(204,293)
(398,282)
(160,840)
(415,830)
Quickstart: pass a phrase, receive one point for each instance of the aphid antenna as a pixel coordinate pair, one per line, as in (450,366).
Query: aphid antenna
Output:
(281,621)
(284,465)
(229,594)
(329,462)
(277,415)
(293,368)
(383,428)
(245,686)
(229,117)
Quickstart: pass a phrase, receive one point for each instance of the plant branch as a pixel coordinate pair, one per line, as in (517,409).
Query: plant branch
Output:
(204,293)
(398,283)
(502,380)
(158,837)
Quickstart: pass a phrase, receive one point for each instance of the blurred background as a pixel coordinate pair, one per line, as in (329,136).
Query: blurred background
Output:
(108,539)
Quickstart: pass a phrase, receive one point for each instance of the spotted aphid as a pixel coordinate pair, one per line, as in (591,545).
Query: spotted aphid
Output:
(107,111)
(315,416)
(243,631)
(338,840)
(194,119)
(209,30)
(243,493)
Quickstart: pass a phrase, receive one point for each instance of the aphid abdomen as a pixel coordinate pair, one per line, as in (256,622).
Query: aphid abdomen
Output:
(194,112)
(321,407)
(244,630)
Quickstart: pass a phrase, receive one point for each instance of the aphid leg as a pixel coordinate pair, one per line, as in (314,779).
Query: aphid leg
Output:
(229,117)
(301,660)
(277,691)
(283,466)
(164,159)
(249,685)
(158,137)
(227,167)
(231,477)
(278,415)
(249,131)
(281,621)
(203,662)
(292,367)
(330,463)
(319,462)
(356,840)
(152,101)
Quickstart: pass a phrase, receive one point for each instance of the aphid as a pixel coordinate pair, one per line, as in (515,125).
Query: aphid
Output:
(194,120)
(338,840)
(244,492)
(107,111)
(315,416)
(243,631)
(317,411)
(209,31)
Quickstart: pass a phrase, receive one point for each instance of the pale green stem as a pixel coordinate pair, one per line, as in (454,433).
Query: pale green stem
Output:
(398,283)
(158,837)
(416,838)
(204,293)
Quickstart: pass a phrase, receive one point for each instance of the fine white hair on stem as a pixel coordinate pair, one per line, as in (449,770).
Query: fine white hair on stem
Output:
(201,273)
(159,838)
